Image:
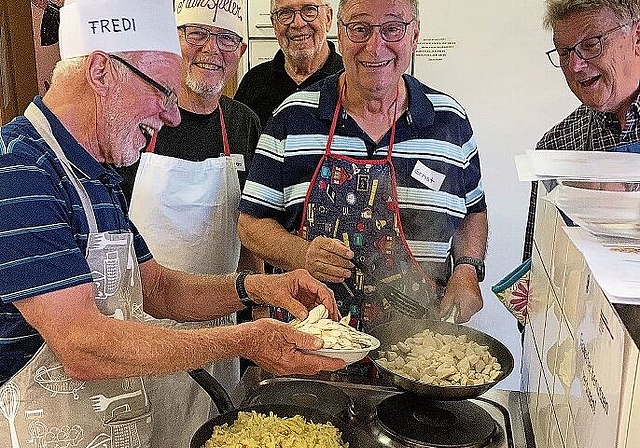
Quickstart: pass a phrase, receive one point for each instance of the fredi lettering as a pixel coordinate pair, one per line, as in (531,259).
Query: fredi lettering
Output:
(231,6)
(114,25)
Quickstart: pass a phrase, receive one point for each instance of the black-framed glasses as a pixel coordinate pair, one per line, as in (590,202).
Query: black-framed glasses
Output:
(589,48)
(392,31)
(170,99)
(199,36)
(286,16)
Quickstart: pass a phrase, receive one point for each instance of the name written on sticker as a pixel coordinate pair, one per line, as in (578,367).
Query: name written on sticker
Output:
(427,176)
(113,25)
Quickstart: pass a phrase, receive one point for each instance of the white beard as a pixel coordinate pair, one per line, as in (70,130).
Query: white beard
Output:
(204,88)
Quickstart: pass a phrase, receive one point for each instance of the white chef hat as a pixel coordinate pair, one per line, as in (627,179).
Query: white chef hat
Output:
(229,15)
(117,25)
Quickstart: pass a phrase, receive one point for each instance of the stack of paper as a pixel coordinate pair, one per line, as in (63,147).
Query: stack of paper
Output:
(595,189)
(579,165)
(606,213)
(616,271)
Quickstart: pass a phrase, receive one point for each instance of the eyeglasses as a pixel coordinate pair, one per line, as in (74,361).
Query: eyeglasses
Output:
(198,36)
(391,31)
(586,49)
(286,16)
(170,98)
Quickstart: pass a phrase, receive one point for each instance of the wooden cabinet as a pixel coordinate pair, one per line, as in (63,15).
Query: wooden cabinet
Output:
(18,79)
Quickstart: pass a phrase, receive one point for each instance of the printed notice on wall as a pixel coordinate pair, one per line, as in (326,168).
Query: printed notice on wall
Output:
(434,49)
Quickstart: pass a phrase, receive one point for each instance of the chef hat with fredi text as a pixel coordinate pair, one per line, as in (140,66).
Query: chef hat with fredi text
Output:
(117,25)
(228,15)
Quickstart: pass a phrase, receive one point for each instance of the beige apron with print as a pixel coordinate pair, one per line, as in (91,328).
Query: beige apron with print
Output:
(187,212)
(45,408)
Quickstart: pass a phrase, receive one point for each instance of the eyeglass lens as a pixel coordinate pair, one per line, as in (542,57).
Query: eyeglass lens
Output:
(170,99)
(199,36)
(286,16)
(392,31)
(587,49)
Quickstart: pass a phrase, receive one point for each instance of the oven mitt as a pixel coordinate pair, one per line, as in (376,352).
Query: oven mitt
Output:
(513,291)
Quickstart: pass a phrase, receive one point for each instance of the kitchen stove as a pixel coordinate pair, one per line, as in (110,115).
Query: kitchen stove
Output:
(380,415)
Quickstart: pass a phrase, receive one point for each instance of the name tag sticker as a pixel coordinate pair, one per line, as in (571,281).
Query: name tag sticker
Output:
(427,176)
(239,161)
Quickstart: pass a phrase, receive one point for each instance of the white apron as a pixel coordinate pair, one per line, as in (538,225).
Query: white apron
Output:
(187,212)
(44,407)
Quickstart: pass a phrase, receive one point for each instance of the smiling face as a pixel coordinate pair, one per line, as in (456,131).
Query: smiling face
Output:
(206,69)
(300,40)
(608,83)
(135,110)
(376,66)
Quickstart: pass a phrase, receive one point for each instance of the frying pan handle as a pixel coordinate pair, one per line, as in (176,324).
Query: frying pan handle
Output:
(215,390)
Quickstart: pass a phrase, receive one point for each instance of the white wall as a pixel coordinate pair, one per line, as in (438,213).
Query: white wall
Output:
(494,64)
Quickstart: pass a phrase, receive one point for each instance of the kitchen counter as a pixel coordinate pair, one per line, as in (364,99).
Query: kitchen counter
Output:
(580,370)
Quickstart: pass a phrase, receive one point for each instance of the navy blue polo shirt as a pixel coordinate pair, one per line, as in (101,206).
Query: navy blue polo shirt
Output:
(43,227)
(433,134)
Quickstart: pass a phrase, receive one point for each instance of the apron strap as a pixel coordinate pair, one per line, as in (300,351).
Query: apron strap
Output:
(225,139)
(334,121)
(41,124)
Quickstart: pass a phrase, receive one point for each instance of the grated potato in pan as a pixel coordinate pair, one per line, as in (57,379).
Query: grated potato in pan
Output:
(254,430)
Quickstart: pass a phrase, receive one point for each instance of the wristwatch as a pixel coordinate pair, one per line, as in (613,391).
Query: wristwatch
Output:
(475,262)
(242,292)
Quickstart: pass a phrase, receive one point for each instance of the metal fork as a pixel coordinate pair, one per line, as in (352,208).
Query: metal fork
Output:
(400,301)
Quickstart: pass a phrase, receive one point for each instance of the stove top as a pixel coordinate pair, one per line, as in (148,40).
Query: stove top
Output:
(381,415)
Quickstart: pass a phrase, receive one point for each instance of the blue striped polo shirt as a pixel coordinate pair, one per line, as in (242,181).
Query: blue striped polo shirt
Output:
(43,227)
(434,132)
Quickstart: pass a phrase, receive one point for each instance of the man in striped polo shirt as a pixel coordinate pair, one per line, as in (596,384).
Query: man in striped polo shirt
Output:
(319,197)
(74,331)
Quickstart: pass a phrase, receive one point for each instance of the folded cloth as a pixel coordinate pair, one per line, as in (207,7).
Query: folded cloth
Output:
(513,291)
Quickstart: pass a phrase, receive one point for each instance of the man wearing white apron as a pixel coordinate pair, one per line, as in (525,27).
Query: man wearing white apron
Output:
(73,347)
(186,193)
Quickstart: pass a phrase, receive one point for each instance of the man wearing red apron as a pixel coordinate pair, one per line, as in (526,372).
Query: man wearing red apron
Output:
(371,180)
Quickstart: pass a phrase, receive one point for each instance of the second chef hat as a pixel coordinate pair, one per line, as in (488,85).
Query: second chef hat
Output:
(117,25)
(226,15)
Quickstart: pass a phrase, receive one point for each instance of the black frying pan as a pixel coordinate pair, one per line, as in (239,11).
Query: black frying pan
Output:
(396,331)
(228,413)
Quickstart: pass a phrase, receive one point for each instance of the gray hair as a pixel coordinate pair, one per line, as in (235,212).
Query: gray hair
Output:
(413,4)
(557,10)
(67,68)
(70,68)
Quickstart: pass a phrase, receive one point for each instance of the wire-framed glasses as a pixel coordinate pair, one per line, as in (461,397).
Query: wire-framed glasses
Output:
(286,16)
(391,31)
(199,36)
(589,48)
(170,99)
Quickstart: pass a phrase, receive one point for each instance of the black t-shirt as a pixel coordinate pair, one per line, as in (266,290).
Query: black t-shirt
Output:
(267,85)
(199,137)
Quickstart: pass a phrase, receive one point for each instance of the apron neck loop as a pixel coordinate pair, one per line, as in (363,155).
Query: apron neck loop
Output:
(225,140)
(392,137)
(336,114)
(334,122)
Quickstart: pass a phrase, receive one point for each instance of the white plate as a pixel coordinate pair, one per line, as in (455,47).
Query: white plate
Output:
(348,355)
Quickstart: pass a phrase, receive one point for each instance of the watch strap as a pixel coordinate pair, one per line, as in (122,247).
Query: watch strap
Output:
(242,292)
(477,263)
